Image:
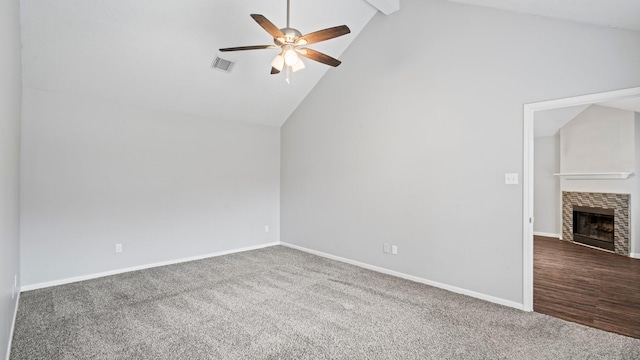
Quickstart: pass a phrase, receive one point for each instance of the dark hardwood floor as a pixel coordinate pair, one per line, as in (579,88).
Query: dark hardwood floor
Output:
(586,286)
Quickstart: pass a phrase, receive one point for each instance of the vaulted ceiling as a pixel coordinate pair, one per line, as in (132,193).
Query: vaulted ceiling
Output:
(624,14)
(159,53)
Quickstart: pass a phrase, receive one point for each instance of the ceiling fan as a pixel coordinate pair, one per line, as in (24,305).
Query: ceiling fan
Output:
(290,41)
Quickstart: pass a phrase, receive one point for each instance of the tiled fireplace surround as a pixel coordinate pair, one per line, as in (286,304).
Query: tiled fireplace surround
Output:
(618,202)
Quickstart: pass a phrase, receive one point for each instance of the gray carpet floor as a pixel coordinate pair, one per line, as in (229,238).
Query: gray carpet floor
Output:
(279,303)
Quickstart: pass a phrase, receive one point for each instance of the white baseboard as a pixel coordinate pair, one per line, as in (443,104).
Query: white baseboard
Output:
(141,267)
(539,233)
(13,326)
(454,289)
(635,255)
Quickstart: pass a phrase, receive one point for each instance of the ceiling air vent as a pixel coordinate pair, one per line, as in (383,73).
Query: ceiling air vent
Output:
(222,64)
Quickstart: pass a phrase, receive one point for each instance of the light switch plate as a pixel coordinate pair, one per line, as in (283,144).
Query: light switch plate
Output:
(511,178)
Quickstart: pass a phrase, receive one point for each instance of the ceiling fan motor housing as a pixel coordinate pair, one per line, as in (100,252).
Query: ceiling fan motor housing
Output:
(290,35)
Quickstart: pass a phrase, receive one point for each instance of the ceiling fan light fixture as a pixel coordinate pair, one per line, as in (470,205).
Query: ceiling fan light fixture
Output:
(278,62)
(290,57)
(297,66)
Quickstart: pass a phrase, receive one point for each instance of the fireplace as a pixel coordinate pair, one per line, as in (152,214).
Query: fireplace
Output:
(594,226)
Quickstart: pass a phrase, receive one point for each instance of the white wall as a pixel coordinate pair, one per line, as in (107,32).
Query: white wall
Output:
(165,185)
(10,97)
(409,139)
(602,139)
(547,196)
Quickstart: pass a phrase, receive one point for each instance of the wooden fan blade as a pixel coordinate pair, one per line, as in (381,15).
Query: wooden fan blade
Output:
(268,26)
(252,47)
(274,71)
(322,35)
(319,57)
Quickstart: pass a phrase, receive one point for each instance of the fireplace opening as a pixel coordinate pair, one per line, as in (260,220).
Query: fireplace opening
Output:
(593,226)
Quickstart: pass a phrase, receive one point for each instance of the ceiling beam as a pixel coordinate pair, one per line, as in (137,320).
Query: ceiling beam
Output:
(386,6)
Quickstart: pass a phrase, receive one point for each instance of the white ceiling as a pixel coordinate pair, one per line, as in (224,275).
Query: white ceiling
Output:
(158,53)
(549,122)
(631,104)
(623,14)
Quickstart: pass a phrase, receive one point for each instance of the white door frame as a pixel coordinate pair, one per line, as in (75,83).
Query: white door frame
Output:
(527,176)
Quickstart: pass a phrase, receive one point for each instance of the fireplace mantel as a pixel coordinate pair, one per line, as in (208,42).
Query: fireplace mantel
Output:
(596,175)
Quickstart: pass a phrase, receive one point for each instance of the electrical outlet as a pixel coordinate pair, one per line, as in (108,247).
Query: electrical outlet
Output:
(385,248)
(266,228)
(394,249)
(118,248)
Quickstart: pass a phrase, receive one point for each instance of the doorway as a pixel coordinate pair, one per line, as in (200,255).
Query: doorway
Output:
(530,111)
